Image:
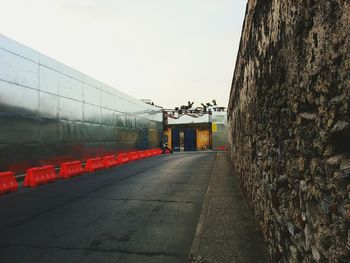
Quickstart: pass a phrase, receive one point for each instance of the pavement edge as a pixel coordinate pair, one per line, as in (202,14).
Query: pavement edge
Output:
(194,256)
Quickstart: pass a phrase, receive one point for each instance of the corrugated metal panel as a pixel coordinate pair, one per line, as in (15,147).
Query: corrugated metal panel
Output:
(51,113)
(220,137)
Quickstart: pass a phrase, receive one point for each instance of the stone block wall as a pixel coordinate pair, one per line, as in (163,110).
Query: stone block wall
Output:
(289,122)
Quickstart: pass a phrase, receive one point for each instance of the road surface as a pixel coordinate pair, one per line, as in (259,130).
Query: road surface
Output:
(145,211)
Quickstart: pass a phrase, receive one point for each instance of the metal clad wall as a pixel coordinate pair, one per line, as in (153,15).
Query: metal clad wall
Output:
(51,113)
(220,136)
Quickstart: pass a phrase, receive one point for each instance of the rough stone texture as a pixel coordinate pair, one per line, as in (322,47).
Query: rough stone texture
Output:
(289,126)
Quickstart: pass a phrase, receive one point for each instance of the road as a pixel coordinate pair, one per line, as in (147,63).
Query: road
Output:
(145,211)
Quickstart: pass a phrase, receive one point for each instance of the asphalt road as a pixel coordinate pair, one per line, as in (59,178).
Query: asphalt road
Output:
(145,211)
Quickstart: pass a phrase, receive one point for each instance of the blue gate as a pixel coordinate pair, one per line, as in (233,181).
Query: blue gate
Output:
(190,141)
(175,140)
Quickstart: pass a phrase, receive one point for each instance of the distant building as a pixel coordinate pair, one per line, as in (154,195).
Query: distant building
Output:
(196,129)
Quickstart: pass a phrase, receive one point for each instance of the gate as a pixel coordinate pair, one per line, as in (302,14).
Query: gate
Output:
(190,140)
(175,139)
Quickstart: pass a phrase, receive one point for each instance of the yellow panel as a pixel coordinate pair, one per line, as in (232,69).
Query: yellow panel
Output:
(202,139)
(214,127)
(168,133)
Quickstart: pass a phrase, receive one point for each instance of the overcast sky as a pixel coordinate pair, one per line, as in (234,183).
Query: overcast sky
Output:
(169,51)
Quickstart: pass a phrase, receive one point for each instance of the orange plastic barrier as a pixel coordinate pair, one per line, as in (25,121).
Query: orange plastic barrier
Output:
(40,175)
(109,161)
(8,182)
(123,158)
(69,169)
(94,164)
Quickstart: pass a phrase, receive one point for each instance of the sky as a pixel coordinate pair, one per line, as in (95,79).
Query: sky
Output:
(169,51)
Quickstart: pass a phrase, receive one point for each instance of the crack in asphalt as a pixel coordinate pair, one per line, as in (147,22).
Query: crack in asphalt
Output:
(153,200)
(115,250)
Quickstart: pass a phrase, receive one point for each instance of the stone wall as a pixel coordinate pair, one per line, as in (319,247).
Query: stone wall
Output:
(289,125)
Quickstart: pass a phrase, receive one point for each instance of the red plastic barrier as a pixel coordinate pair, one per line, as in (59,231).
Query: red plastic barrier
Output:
(137,155)
(142,154)
(77,168)
(123,158)
(117,161)
(134,156)
(159,151)
(49,173)
(109,161)
(148,153)
(8,182)
(221,148)
(94,164)
(40,175)
(69,169)
(131,156)
(33,177)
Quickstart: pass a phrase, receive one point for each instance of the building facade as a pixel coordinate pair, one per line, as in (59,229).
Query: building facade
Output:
(197,131)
